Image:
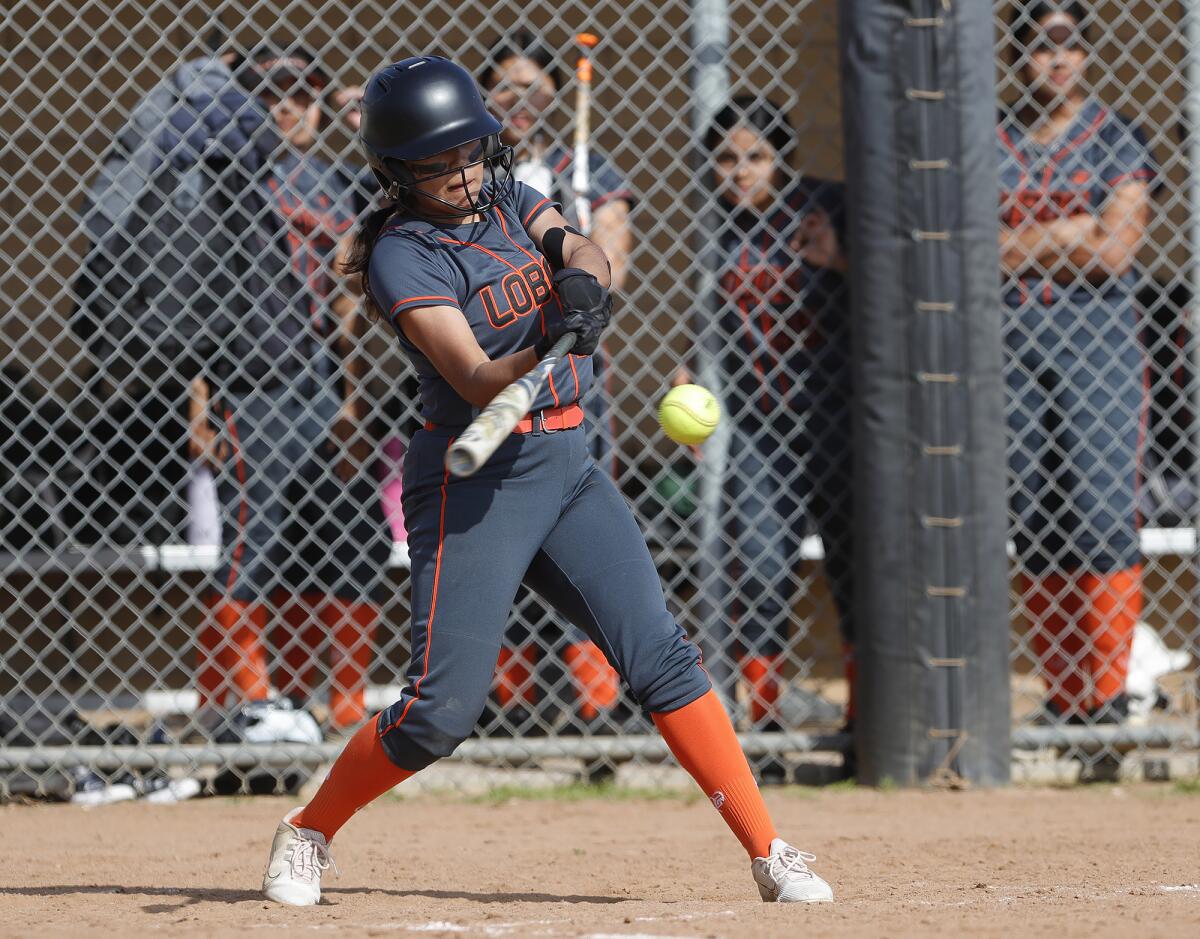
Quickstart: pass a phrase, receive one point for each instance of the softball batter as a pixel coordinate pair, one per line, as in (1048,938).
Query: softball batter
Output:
(479,277)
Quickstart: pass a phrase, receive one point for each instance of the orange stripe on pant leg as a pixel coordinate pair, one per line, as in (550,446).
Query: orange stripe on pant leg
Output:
(437,575)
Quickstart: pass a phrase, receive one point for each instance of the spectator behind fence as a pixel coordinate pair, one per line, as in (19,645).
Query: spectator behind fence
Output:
(302,521)
(782,314)
(522,84)
(140,317)
(1075,180)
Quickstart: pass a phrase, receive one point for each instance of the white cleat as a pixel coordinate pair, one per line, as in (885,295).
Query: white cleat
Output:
(783,876)
(298,856)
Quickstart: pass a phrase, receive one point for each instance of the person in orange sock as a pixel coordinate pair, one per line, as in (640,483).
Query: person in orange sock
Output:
(782,311)
(280,414)
(1074,364)
(461,236)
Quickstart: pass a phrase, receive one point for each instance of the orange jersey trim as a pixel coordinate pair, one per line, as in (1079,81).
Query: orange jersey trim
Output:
(400,303)
(534,211)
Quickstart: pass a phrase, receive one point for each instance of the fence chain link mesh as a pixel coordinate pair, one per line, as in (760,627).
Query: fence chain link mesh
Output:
(113,668)
(1096,159)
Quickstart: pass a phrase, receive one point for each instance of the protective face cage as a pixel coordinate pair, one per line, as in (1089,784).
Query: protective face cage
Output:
(399,182)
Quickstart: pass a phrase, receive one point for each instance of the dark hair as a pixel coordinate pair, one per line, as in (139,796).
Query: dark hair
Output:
(277,55)
(522,44)
(759,114)
(358,260)
(1027,14)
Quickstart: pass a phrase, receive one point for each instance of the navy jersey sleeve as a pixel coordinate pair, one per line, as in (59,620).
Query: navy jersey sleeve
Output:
(1128,154)
(407,272)
(530,203)
(605,183)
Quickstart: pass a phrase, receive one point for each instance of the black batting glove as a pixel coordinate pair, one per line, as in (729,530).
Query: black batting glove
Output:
(587,311)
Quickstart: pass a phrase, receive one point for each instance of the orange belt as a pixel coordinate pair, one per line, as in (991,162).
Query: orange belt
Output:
(549,420)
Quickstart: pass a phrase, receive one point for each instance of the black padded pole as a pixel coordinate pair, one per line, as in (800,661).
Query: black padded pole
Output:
(931,613)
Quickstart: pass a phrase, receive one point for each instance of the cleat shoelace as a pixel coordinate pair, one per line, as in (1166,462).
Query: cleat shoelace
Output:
(308,858)
(790,861)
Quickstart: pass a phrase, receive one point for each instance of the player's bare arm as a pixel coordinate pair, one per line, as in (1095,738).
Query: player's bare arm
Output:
(1098,247)
(577,251)
(444,336)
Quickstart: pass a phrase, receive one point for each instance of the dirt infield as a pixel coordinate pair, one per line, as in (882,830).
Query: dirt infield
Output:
(1119,861)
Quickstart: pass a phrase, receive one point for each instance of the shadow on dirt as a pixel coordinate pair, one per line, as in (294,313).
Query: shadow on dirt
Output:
(194,895)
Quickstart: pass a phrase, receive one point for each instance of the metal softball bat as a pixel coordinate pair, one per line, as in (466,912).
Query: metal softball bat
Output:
(495,422)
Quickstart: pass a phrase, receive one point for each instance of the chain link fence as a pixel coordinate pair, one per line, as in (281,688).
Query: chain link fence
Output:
(1097,167)
(131,244)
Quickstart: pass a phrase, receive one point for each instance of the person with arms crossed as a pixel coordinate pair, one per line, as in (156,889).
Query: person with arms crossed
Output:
(1075,188)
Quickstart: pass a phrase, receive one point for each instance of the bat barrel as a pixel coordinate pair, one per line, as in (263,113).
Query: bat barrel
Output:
(463,460)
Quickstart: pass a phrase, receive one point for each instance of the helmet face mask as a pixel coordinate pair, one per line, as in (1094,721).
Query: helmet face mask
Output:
(421,107)
(400,184)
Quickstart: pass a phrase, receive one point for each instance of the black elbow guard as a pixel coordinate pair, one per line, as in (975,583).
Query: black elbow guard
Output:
(552,246)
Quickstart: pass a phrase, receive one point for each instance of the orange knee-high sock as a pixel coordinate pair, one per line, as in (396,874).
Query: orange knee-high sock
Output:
(596,682)
(360,774)
(208,673)
(1054,605)
(702,739)
(514,675)
(298,636)
(761,674)
(352,628)
(1112,605)
(234,645)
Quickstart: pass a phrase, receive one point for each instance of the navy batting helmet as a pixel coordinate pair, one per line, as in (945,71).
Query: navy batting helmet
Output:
(414,109)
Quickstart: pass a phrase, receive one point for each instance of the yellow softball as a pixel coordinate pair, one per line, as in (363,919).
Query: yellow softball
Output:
(689,413)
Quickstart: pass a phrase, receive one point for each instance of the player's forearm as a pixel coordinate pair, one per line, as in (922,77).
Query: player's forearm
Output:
(1090,248)
(479,385)
(1068,249)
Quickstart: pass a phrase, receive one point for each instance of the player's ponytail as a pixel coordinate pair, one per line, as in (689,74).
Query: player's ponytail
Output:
(358,260)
